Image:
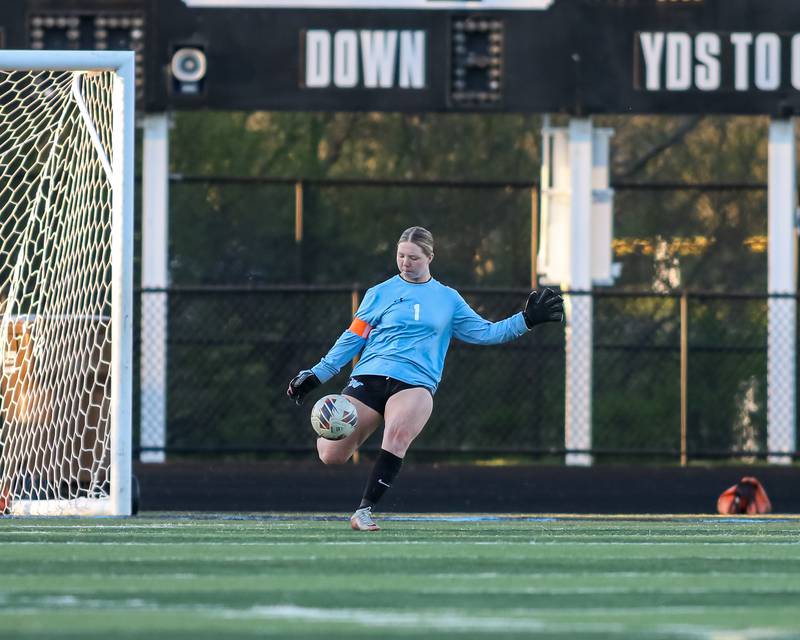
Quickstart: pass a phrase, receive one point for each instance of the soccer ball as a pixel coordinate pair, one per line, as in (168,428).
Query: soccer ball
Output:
(334,417)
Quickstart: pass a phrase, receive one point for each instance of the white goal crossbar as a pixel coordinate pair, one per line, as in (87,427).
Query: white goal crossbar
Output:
(66,281)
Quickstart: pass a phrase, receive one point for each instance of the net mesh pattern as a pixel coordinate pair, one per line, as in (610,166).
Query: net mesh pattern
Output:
(55,284)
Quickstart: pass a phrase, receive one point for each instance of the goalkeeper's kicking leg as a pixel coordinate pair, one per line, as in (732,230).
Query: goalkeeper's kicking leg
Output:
(340,451)
(405,414)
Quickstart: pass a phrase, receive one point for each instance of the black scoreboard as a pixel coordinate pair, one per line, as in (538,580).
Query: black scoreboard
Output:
(580,57)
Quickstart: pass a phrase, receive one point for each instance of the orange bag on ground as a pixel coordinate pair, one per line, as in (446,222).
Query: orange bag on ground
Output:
(747,496)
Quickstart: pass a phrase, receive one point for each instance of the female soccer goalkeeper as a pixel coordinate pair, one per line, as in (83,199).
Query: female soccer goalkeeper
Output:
(402,331)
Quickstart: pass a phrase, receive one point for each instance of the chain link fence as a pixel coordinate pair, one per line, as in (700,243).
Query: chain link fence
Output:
(662,376)
(231,352)
(259,231)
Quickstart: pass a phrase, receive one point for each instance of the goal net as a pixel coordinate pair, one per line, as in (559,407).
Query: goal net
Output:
(65,282)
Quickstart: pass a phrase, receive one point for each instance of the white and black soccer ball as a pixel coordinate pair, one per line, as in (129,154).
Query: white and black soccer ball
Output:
(334,417)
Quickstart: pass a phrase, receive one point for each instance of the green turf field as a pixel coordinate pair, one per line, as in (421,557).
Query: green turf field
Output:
(183,576)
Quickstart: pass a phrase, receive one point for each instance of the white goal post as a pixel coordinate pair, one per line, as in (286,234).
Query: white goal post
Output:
(66,281)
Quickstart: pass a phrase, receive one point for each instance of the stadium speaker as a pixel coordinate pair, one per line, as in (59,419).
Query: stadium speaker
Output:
(188,68)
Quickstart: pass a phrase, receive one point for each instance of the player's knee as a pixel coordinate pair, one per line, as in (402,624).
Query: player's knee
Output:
(333,456)
(397,438)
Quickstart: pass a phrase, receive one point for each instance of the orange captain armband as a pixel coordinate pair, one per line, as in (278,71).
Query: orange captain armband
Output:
(360,328)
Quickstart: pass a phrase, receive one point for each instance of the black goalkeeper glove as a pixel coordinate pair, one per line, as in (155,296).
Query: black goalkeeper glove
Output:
(543,306)
(301,385)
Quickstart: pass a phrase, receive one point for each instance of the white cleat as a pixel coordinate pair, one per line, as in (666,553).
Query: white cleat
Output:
(362,520)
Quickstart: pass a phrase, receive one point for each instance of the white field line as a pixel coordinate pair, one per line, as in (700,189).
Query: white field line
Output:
(294,519)
(447,577)
(439,620)
(693,631)
(539,591)
(514,529)
(482,589)
(511,533)
(513,621)
(549,591)
(69,601)
(165,578)
(505,541)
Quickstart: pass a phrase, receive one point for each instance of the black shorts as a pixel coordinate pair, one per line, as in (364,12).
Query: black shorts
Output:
(375,391)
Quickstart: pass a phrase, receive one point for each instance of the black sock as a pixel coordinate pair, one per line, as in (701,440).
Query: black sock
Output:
(384,471)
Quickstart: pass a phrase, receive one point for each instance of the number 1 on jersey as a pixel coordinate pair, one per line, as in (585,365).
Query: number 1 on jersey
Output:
(416,311)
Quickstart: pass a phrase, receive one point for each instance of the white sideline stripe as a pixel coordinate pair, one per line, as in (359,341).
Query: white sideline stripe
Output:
(286,521)
(374,615)
(537,591)
(438,620)
(721,545)
(232,545)
(478,589)
(212,519)
(453,620)
(542,536)
(704,633)
(565,591)
(509,535)
(526,576)
(566,518)
(515,620)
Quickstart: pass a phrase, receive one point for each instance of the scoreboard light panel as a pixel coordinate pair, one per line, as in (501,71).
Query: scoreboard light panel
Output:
(99,31)
(477,62)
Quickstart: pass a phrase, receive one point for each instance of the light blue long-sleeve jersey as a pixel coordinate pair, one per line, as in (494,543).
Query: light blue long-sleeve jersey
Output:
(403,329)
